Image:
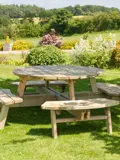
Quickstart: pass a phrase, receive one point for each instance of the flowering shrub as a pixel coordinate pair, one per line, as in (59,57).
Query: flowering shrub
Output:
(51,39)
(22,45)
(98,53)
(69,44)
(104,44)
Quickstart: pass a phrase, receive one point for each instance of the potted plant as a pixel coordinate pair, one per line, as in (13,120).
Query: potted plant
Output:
(7,45)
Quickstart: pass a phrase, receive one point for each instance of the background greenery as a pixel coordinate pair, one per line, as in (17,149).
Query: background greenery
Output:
(74,37)
(33,21)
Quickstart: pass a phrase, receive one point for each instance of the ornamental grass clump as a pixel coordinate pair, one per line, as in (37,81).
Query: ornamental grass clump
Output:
(46,55)
(97,54)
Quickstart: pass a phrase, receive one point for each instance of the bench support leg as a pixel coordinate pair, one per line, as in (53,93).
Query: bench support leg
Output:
(62,88)
(54,124)
(93,85)
(108,121)
(3,116)
(21,87)
(47,84)
(87,115)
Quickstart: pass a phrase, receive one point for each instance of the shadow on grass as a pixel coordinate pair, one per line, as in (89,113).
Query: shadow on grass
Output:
(29,116)
(20,141)
(69,129)
(6,83)
(112,142)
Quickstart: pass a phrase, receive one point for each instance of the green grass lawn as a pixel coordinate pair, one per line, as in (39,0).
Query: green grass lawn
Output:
(27,134)
(91,36)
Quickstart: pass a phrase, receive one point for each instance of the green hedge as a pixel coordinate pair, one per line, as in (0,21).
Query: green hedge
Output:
(46,55)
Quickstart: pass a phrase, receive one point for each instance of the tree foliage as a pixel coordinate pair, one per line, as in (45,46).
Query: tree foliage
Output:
(25,11)
(19,20)
(61,19)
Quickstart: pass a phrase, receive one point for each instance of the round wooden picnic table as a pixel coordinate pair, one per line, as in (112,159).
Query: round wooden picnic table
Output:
(63,72)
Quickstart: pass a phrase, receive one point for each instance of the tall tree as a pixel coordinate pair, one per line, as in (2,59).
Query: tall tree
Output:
(77,10)
(61,20)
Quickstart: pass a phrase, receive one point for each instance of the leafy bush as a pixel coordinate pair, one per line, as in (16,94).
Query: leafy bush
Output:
(98,53)
(116,56)
(4,31)
(1,46)
(95,59)
(14,62)
(4,60)
(21,45)
(45,55)
(28,29)
(69,44)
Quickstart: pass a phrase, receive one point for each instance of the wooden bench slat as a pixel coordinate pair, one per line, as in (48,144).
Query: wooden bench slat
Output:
(110,89)
(79,104)
(8,98)
(40,83)
(5,99)
(15,98)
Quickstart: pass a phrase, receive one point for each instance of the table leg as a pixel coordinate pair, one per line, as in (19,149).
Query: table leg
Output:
(93,84)
(21,87)
(77,113)
(72,97)
(46,84)
(71,90)
(94,89)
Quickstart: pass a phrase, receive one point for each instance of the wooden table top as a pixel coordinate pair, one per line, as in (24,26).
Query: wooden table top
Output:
(65,72)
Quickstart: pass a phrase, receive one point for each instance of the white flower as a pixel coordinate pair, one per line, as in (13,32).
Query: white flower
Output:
(99,44)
